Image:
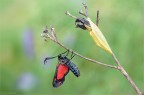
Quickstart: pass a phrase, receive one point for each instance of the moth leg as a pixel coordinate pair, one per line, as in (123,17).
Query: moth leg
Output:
(72,55)
(64,52)
(67,52)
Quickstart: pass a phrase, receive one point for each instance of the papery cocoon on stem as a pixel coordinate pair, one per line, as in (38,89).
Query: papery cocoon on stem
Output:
(98,37)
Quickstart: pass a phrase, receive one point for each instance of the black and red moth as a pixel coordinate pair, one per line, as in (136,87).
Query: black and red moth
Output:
(62,69)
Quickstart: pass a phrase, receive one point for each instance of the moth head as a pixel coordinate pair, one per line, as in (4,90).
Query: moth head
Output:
(62,59)
(82,23)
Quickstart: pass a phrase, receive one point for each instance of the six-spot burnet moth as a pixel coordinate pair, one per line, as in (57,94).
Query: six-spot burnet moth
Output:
(63,67)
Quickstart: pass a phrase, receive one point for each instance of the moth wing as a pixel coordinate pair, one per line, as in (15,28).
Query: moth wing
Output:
(74,69)
(60,73)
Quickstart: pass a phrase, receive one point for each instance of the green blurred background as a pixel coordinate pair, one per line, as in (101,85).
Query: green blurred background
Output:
(22,50)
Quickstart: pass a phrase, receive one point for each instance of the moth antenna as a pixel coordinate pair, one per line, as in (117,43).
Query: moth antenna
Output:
(48,58)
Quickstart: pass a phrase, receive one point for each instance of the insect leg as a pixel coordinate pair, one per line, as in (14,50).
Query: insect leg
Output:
(67,52)
(72,55)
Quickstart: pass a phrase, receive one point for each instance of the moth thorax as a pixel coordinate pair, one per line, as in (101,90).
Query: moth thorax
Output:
(63,61)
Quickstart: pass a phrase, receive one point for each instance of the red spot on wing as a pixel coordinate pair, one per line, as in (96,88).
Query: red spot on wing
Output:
(61,72)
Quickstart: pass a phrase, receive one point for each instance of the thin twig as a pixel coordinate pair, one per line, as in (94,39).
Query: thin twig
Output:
(53,33)
(82,13)
(94,61)
(119,67)
(97,18)
(100,63)
(122,70)
(86,8)
(68,13)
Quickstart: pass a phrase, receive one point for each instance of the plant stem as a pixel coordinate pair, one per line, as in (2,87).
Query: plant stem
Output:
(94,61)
(97,18)
(100,63)
(118,67)
(122,70)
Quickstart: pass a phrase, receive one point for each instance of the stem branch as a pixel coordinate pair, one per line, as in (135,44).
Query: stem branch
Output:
(94,61)
(122,70)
